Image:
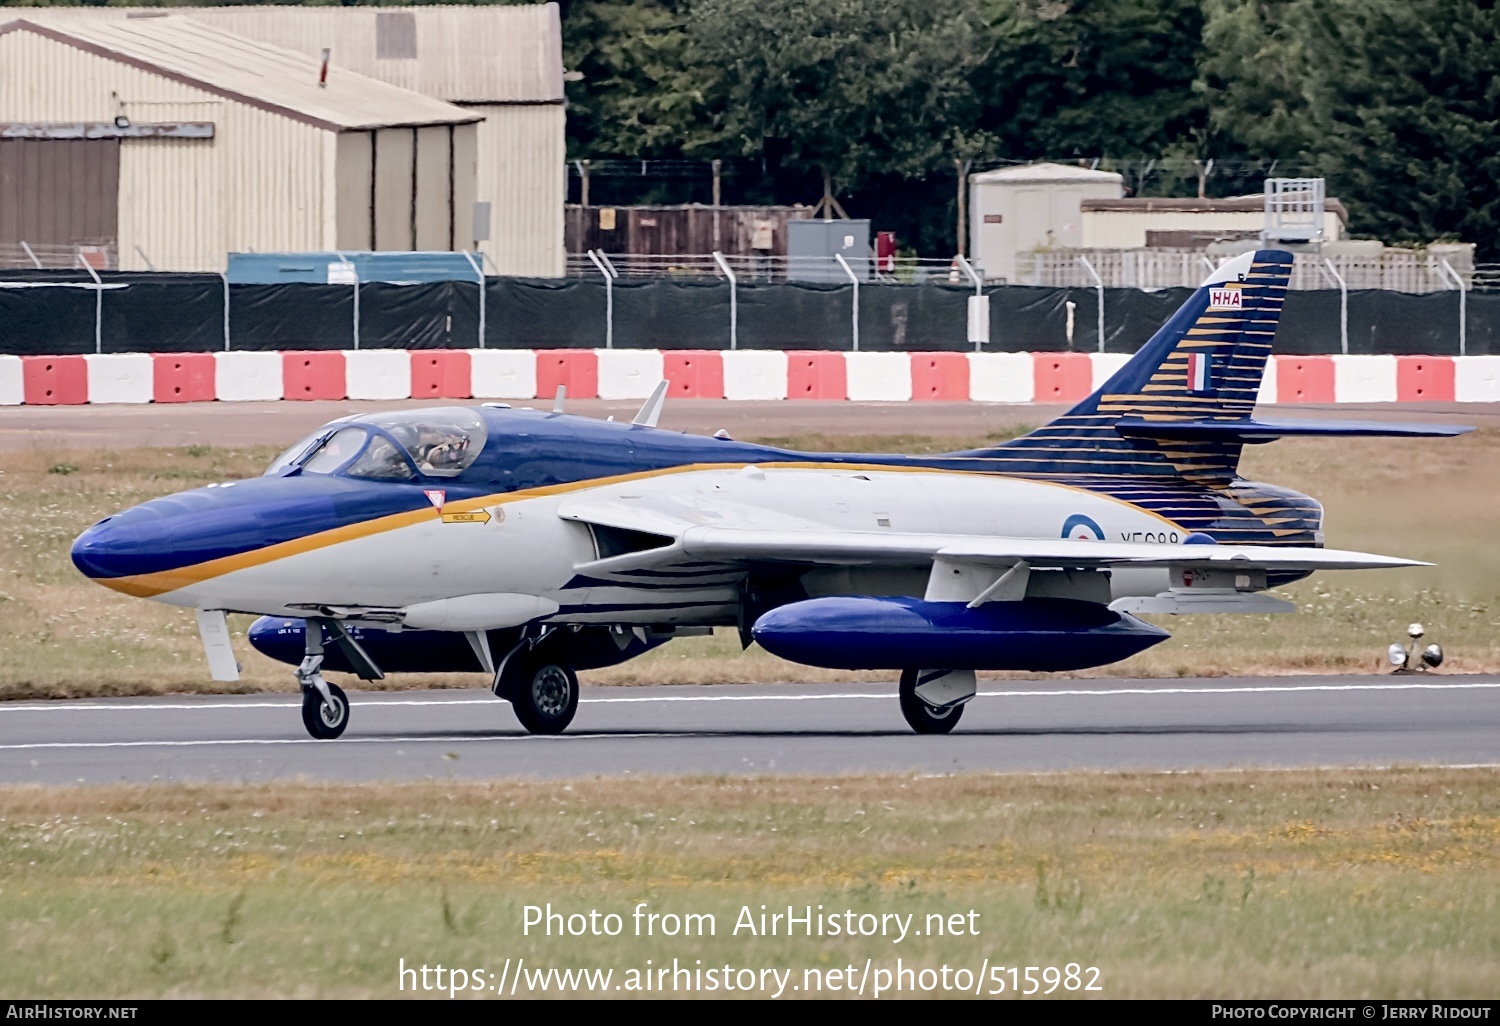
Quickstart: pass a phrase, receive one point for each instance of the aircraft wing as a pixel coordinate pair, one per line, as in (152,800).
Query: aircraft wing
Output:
(663,536)
(884,547)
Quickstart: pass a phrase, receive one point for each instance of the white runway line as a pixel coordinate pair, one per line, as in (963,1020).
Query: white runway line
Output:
(376,703)
(340,741)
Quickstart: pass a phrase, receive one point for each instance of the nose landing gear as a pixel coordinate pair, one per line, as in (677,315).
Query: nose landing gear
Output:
(325,707)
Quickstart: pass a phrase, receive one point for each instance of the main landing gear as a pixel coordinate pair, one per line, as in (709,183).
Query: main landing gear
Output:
(540,686)
(933,700)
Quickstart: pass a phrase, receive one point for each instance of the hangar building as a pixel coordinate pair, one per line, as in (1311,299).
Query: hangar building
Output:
(501,61)
(176,142)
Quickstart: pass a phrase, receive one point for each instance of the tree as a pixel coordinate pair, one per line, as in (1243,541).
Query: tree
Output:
(1092,78)
(855,88)
(1397,101)
(640,94)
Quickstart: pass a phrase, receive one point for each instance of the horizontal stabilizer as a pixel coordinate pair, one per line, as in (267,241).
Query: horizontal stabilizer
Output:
(1269,430)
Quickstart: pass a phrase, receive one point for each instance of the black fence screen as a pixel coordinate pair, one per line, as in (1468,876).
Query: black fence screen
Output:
(186,313)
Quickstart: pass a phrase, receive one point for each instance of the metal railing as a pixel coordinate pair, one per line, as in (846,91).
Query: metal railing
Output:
(58,257)
(1395,270)
(1486,277)
(746,269)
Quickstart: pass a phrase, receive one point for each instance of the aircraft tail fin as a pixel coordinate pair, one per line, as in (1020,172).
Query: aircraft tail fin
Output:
(1203,365)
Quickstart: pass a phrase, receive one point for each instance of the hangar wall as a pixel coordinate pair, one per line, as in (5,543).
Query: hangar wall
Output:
(258,184)
(523,154)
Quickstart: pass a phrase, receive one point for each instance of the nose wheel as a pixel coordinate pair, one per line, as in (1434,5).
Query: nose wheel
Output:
(325,717)
(325,707)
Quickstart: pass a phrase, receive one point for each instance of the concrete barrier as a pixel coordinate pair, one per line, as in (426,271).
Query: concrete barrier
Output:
(248,377)
(383,374)
(1002,377)
(12,381)
(503,373)
(121,377)
(55,380)
(755,374)
(878,377)
(940,376)
(628,373)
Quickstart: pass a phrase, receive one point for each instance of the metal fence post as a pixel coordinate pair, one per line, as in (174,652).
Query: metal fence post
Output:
(355,272)
(609,297)
(855,279)
(734,306)
(1332,272)
(1463,308)
(98,302)
(968,269)
(1099,289)
(478,270)
(224,277)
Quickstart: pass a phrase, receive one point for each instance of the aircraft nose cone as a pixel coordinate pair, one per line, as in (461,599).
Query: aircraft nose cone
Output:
(114,546)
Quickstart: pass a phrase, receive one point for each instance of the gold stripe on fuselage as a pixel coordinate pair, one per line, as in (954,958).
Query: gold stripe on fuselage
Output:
(163,581)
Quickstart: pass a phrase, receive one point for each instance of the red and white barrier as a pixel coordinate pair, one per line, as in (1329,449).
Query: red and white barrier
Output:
(755,374)
(12,381)
(394,374)
(248,377)
(1477,379)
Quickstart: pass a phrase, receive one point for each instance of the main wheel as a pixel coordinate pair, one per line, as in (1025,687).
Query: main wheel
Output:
(325,720)
(924,718)
(545,696)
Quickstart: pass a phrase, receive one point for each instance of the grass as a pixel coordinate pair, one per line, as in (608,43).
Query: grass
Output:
(1349,883)
(60,635)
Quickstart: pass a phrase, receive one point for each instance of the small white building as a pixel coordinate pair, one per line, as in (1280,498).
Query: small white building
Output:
(1188,223)
(1024,214)
(1017,209)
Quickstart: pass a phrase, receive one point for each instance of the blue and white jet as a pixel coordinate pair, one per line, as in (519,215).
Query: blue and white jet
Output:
(528,545)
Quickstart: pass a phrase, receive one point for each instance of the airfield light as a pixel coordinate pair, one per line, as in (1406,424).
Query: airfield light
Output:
(1415,631)
(1396,654)
(1432,655)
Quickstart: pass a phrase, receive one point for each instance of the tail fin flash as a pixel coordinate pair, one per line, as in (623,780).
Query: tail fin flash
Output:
(1205,363)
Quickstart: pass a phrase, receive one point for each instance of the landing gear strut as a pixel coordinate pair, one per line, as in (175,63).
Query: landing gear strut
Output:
(542,688)
(325,708)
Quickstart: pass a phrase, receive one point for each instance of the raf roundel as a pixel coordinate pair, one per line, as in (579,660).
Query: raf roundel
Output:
(1082,528)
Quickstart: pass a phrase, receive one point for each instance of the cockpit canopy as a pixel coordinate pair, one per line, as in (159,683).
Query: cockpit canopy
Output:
(437,442)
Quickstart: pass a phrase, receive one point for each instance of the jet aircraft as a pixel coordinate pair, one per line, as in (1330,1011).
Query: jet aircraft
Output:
(528,545)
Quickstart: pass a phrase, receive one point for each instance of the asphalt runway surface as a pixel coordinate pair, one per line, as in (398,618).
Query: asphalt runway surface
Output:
(282,423)
(740,730)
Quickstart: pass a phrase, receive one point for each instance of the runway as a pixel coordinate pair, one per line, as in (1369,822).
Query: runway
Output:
(735,730)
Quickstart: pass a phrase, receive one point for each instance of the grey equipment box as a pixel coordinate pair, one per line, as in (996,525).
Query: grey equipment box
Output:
(812,245)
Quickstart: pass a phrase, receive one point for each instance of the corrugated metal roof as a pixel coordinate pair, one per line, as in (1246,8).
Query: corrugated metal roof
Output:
(467,53)
(247,70)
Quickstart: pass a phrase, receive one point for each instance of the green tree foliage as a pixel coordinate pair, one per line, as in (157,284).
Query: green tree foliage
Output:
(1397,102)
(852,87)
(1092,77)
(640,94)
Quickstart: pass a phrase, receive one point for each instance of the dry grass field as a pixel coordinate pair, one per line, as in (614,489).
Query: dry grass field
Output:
(1433,499)
(1353,884)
